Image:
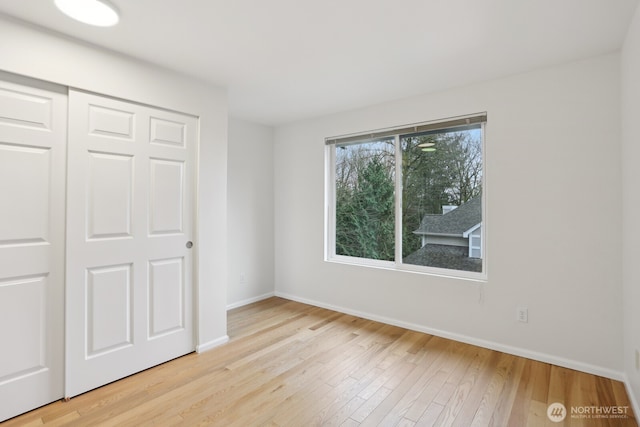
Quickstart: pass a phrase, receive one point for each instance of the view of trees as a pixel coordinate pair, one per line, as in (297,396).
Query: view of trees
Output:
(365,225)
(450,175)
(437,169)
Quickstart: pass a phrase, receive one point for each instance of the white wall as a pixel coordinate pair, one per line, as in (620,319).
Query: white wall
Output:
(250,212)
(553,219)
(631,201)
(42,55)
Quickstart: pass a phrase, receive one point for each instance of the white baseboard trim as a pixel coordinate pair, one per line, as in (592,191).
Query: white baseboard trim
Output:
(250,300)
(212,344)
(516,351)
(632,397)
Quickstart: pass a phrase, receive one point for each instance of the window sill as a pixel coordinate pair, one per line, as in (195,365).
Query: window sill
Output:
(469,276)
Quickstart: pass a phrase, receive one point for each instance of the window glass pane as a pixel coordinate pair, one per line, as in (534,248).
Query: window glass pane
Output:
(441,199)
(364,198)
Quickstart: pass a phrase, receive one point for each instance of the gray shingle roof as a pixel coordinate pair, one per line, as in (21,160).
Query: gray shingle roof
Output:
(454,222)
(444,256)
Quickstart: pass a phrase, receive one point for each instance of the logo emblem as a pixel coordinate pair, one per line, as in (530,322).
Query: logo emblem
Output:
(556,412)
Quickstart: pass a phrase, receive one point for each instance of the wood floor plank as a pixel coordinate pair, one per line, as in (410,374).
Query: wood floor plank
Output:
(477,380)
(371,403)
(390,411)
(431,414)
(291,364)
(520,409)
(492,393)
(505,405)
(464,391)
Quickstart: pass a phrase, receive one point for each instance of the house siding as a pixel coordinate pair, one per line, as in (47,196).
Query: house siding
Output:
(445,240)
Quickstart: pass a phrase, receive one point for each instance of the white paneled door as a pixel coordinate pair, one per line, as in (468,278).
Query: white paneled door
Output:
(32,206)
(129,226)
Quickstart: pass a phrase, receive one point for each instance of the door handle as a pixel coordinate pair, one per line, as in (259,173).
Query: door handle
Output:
(189,244)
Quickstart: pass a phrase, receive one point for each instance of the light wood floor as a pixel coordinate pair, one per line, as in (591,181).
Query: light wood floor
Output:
(290,364)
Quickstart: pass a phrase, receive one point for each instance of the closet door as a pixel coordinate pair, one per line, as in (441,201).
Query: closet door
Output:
(129,225)
(32,204)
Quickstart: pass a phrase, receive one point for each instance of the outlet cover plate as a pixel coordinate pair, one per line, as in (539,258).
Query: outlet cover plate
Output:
(522,314)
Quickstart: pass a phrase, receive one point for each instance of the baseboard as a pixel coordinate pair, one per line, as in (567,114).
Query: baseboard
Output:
(249,300)
(516,351)
(632,397)
(212,344)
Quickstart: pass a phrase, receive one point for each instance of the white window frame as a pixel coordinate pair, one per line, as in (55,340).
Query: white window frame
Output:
(397,265)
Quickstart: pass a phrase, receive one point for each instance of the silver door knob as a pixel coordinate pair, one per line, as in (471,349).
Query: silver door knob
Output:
(189,244)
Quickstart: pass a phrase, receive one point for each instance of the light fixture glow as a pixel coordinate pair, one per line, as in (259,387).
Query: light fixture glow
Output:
(93,12)
(429,150)
(426,144)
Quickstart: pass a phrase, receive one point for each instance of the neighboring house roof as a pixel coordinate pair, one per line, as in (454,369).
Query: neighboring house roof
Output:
(455,222)
(444,256)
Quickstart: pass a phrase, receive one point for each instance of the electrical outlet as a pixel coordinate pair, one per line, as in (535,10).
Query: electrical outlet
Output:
(243,278)
(637,360)
(522,314)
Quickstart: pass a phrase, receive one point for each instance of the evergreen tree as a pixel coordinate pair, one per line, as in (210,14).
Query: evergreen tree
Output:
(365,214)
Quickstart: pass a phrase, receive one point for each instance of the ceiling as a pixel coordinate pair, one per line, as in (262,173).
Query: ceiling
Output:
(285,60)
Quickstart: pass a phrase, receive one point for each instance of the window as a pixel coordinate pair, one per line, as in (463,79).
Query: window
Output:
(409,198)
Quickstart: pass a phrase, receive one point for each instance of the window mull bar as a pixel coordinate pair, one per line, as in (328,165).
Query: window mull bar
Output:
(454,123)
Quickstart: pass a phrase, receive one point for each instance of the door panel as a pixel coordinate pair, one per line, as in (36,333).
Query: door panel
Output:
(30,338)
(166,296)
(108,309)
(168,133)
(22,107)
(130,215)
(167,195)
(111,123)
(25,207)
(109,205)
(32,203)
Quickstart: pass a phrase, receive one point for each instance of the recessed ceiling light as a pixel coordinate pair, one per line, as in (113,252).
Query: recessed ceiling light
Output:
(426,144)
(93,12)
(429,150)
